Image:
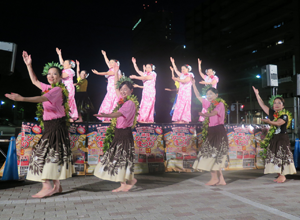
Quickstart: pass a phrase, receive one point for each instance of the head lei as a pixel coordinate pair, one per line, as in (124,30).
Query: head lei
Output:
(189,67)
(49,66)
(212,70)
(272,99)
(123,79)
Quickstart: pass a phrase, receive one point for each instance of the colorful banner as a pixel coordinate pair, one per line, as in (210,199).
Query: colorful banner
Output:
(78,146)
(149,148)
(181,146)
(242,151)
(96,136)
(30,135)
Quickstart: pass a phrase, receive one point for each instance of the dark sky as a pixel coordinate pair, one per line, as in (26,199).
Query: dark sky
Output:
(81,29)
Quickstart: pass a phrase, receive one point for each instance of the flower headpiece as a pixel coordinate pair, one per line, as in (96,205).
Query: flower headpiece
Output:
(271,100)
(50,65)
(72,62)
(123,79)
(189,67)
(152,66)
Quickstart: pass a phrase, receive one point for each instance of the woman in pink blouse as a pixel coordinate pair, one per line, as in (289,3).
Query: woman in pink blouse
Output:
(117,163)
(146,112)
(213,152)
(51,157)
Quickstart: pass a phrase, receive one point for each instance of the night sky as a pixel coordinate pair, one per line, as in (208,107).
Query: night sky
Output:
(81,29)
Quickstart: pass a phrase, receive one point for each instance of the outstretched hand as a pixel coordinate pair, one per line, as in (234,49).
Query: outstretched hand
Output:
(171,68)
(255,90)
(103,52)
(203,82)
(175,79)
(132,76)
(201,114)
(133,60)
(94,71)
(199,61)
(58,51)
(27,58)
(14,97)
(172,60)
(135,86)
(267,120)
(144,68)
(77,63)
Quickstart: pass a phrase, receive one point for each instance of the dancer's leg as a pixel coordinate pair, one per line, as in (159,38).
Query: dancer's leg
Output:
(56,188)
(46,189)
(214,179)
(221,178)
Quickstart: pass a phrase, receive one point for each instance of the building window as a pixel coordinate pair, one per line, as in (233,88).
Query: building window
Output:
(279,42)
(254,51)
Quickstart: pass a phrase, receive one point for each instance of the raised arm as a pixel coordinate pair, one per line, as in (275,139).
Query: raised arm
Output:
(61,60)
(136,67)
(200,69)
(197,94)
(141,77)
(260,101)
(28,61)
(78,69)
(105,58)
(174,66)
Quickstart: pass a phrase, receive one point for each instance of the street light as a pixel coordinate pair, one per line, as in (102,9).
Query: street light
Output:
(13,106)
(2,102)
(258,76)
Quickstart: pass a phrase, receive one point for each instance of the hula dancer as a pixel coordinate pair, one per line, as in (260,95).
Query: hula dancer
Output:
(110,100)
(209,80)
(117,163)
(67,79)
(51,157)
(146,113)
(182,111)
(213,152)
(276,145)
(83,102)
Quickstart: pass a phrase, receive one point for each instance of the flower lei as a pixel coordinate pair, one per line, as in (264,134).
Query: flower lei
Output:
(265,143)
(212,106)
(110,132)
(40,109)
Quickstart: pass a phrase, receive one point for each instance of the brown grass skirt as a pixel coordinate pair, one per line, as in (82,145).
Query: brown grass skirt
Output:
(51,157)
(279,156)
(213,152)
(117,163)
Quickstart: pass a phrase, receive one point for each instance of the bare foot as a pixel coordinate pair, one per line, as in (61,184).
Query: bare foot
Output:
(56,189)
(120,189)
(281,179)
(221,183)
(212,183)
(41,194)
(129,186)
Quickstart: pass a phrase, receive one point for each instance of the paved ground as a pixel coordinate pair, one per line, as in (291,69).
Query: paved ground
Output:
(248,195)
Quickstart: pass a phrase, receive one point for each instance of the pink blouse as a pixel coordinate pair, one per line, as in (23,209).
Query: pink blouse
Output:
(217,119)
(53,108)
(128,114)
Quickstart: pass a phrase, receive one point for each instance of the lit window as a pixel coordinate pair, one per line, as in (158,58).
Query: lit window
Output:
(254,51)
(184,46)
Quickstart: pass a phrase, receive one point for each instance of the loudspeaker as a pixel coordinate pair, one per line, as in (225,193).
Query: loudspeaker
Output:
(8,53)
(296,84)
(269,76)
